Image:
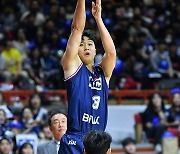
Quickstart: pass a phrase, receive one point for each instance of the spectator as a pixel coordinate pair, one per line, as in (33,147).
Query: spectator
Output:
(26,148)
(29,125)
(175,56)
(5,107)
(58,125)
(33,66)
(173,114)
(39,112)
(21,43)
(155,120)
(8,18)
(5,146)
(47,134)
(96,142)
(160,61)
(129,145)
(3,123)
(50,68)
(13,60)
(13,67)
(34,8)
(137,27)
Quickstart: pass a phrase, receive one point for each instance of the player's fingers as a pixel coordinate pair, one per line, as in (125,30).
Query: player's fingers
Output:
(93,4)
(98,2)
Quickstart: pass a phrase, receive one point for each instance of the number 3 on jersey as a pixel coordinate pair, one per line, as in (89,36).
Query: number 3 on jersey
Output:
(96,101)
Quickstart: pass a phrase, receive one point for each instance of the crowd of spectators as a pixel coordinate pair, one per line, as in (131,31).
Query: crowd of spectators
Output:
(33,35)
(31,119)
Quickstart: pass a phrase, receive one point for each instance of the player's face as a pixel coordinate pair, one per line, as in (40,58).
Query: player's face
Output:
(87,50)
(58,125)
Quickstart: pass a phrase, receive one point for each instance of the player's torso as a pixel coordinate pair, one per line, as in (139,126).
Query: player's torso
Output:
(87,100)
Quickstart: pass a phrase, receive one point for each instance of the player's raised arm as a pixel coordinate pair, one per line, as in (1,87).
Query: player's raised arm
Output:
(109,58)
(71,60)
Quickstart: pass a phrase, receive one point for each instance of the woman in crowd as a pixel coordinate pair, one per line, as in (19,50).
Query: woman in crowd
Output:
(26,148)
(155,120)
(39,113)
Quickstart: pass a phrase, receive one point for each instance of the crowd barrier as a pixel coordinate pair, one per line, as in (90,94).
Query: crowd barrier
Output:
(117,94)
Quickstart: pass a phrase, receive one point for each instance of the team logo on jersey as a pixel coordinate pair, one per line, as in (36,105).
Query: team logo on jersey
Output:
(72,142)
(90,119)
(95,83)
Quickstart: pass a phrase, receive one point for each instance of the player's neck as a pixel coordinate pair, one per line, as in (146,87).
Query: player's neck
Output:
(90,67)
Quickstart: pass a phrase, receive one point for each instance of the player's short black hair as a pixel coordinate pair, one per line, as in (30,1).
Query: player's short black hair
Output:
(90,35)
(127,141)
(97,142)
(54,112)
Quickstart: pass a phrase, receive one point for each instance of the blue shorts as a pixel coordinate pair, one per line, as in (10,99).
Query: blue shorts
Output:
(71,143)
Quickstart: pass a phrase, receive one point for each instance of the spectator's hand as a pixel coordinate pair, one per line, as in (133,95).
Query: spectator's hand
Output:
(96,9)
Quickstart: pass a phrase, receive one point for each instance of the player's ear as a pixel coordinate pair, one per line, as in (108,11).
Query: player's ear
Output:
(85,152)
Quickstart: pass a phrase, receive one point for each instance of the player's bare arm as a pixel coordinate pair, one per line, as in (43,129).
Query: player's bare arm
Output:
(71,60)
(109,58)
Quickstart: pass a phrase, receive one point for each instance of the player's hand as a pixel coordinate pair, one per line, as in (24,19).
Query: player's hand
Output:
(96,9)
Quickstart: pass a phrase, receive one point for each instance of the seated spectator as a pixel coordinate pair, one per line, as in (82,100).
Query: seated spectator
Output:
(129,145)
(39,112)
(5,146)
(34,9)
(3,123)
(50,68)
(33,66)
(160,61)
(13,67)
(13,60)
(137,27)
(175,56)
(5,107)
(173,114)
(21,43)
(26,148)
(96,142)
(29,125)
(155,120)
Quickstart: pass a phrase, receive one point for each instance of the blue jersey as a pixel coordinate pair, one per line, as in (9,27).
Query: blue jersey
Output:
(87,100)
(87,104)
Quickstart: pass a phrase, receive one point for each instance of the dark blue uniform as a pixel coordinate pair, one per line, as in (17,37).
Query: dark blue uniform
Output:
(87,107)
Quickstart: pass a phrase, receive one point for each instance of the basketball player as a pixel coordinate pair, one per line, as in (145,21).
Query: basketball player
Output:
(87,85)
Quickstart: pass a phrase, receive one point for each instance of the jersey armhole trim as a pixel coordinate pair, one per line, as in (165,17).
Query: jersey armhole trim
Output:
(98,65)
(74,72)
